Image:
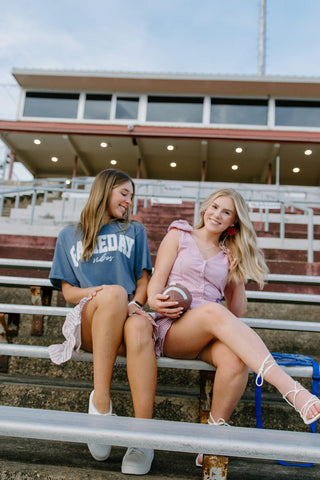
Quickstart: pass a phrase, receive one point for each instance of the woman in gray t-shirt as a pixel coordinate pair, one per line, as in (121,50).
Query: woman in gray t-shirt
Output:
(103,266)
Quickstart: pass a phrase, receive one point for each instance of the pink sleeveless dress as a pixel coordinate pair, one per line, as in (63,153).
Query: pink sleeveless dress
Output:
(205,279)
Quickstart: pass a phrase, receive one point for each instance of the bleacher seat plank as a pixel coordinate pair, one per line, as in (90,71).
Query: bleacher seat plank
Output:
(159,434)
(35,351)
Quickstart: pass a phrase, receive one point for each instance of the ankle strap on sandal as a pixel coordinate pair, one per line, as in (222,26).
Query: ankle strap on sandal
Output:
(267,363)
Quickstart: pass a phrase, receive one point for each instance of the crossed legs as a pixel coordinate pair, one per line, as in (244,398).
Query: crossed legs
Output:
(230,379)
(191,333)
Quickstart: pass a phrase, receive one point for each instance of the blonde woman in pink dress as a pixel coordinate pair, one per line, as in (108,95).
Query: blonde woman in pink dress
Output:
(213,260)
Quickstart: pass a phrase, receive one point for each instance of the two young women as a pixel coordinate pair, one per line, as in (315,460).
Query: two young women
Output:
(103,265)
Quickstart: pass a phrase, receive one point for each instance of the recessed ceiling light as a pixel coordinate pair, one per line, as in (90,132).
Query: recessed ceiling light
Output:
(170,147)
(103,144)
(239,150)
(235,167)
(173,164)
(68,182)
(296,170)
(36,141)
(308,151)
(113,162)
(54,159)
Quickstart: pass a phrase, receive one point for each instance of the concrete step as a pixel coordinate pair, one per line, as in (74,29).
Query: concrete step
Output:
(22,459)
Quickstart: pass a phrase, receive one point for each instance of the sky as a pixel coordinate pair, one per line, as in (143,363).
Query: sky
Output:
(217,37)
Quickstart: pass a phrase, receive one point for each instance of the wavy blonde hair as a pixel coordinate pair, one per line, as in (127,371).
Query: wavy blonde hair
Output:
(243,245)
(93,213)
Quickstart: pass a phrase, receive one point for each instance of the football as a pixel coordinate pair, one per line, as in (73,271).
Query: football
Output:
(178,293)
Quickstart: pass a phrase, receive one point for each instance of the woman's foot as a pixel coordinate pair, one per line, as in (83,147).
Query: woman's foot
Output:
(137,461)
(99,451)
(211,421)
(306,404)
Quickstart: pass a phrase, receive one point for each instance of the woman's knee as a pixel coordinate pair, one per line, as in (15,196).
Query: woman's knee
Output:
(137,332)
(211,313)
(234,364)
(112,295)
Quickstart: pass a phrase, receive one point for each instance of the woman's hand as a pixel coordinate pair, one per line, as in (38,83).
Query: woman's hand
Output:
(75,294)
(134,309)
(92,291)
(159,303)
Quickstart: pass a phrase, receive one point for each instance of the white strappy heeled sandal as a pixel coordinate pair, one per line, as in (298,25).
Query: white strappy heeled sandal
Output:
(303,411)
(267,363)
(211,421)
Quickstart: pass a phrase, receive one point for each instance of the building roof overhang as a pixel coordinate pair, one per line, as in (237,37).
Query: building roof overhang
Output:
(134,82)
(197,151)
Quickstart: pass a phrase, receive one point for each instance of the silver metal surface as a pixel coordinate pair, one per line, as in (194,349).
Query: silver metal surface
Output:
(159,434)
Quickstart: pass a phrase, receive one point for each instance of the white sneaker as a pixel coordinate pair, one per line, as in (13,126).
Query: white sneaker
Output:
(137,461)
(99,451)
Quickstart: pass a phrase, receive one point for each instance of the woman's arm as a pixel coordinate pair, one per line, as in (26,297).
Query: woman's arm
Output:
(75,294)
(166,256)
(236,299)
(140,295)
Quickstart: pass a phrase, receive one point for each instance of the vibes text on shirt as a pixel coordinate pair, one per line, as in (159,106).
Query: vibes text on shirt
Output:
(105,243)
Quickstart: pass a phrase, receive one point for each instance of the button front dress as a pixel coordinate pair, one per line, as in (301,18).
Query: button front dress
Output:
(205,279)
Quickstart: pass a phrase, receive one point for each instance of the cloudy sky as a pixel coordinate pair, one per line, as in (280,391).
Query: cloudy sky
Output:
(176,36)
(185,36)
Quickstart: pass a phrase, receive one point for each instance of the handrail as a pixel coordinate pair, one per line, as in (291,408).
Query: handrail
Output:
(271,277)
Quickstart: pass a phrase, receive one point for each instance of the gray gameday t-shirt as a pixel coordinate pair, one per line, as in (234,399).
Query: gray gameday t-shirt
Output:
(120,256)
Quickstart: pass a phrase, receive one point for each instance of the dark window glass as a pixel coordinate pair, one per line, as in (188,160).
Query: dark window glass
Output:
(174,109)
(238,111)
(97,106)
(127,107)
(49,104)
(297,113)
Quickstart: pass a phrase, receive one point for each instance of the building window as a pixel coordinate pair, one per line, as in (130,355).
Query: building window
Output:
(297,113)
(50,104)
(174,109)
(127,108)
(239,111)
(97,106)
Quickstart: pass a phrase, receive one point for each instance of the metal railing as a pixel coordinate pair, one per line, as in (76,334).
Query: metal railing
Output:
(266,198)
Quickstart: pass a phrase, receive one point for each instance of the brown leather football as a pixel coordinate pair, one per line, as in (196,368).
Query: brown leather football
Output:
(178,293)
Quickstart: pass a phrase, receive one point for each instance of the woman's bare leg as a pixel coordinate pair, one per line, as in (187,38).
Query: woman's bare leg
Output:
(190,334)
(141,364)
(102,324)
(230,379)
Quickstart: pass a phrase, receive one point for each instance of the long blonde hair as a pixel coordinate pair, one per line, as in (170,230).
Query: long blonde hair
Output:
(93,213)
(243,244)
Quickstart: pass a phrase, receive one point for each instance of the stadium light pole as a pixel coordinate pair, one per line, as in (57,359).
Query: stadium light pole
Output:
(262,37)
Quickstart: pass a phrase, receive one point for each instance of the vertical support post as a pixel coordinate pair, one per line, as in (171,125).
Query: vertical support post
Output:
(1,204)
(13,324)
(203,171)
(310,235)
(269,174)
(138,168)
(39,296)
(196,207)
(215,467)
(75,165)
(266,223)
(282,220)
(3,339)
(33,205)
(262,37)
(277,170)
(12,157)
